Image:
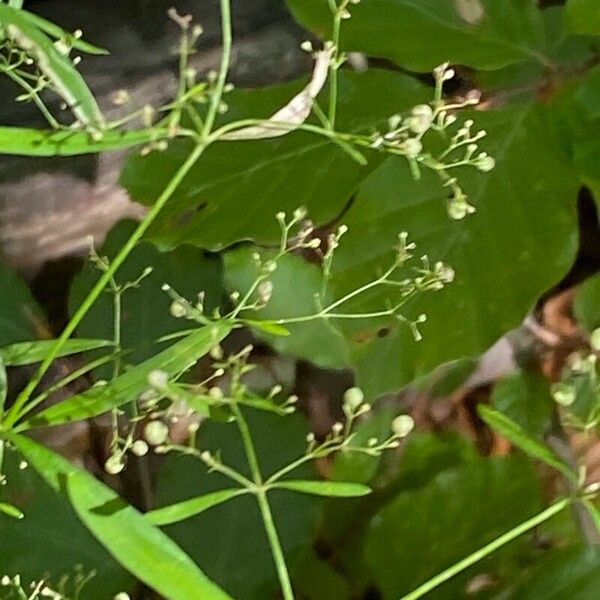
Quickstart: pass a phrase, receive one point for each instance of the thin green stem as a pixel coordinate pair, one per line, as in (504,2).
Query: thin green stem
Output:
(480,554)
(217,95)
(263,504)
(19,408)
(117,329)
(34,96)
(333,69)
(276,549)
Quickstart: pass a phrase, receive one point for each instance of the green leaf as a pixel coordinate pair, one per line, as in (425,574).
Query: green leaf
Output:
(190,508)
(331,489)
(239,557)
(267,176)
(569,573)
(295,283)
(140,547)
(55,31)
(97,400)
(505,256)
(57,67)
(515,434)
(470,505)
(50,542)
(38,142)
(145,314)
(25,353)
(586,305)
(422,34)
(270,327)
(11,511)
(583,16)
(18,310)
(524,397)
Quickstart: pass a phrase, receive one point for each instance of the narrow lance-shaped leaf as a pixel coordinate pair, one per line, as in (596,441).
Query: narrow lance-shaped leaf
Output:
(57,67)
(23,141)
(189,508)
(11,511)
(25,353)
(56,31)
(338,489)
(515,434)
(131,539)
(124,388)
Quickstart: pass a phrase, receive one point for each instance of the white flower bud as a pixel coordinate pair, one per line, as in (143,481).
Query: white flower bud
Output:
(485,163)
(139,448)
(412,147)
(156,433)
(114,465)
(421,118)
(158,379)
(353,397)
(178,309)
(403,425)
(595,340)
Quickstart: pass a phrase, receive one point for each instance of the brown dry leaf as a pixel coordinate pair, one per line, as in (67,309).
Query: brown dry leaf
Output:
(293,114)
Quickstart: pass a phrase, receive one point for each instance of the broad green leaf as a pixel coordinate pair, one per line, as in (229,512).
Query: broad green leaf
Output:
(524,397)
(50,542)
(515,434)
(424,531)
(236,189)
(504,255)
(140,547)
(421,34)
(25,353)
(102,398)
(190,508)
(19,312)
(38,142)
(145,314)
(295,283)
(57,67)
(583,16)
(568,573)
(586,305)
(11,511)
(339,489)
(238,557)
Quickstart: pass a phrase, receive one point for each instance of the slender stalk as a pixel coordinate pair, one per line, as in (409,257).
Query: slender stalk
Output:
(19,407)
(276,549)
(263,504)
(117,329)
(217,95)
(480,554)
(333,69)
